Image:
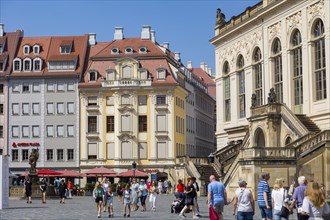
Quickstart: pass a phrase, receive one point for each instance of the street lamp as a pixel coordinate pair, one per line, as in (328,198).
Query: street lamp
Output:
(210,158)
(134,168)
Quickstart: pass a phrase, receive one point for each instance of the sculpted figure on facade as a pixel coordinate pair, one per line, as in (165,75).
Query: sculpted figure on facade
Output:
(33,158)
(272,96)
(254,100)
(221,18)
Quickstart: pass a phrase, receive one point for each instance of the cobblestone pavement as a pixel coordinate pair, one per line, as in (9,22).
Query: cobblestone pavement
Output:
(85,208)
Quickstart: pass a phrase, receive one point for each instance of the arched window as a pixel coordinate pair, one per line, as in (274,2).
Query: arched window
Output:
(259,138)
(257,67)
(17,64)
(127,72)
(319,61)
(277,69)
(92,76)
(37,64)
(227,91)
(288,140)
(241,86)
(297,69)
(27,64)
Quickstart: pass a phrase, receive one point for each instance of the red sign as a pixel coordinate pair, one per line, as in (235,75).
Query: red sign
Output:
(23,144)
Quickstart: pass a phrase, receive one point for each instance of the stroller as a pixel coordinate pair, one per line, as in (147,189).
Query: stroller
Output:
(178,203)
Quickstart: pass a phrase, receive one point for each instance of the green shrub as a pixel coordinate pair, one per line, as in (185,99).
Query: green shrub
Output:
(89,186)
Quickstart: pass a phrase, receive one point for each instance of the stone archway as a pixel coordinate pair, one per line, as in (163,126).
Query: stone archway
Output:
(259,138)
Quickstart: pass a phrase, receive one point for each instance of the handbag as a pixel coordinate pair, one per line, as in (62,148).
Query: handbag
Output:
(284,212)
(213,214)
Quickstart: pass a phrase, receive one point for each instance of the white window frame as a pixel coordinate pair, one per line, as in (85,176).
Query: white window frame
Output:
(50,130)
(28,49)
(20,65)
(35,106)
(30,65)
(129,50)
(34,49)
(48,108)
(70,86)
(36,87)
(143,48)
(35,131)
(89,76)
(50,87)
(68,108)
(60,133)
(159,76)
(34,64)
(114,50)
(68,130)
(59,85)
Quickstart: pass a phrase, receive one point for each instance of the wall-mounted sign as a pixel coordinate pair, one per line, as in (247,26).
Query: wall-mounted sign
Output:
(25,144)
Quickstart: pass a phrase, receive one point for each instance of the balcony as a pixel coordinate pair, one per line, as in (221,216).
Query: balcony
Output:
(92,108)
(92,135)
(125,108)
(161,107)
(125,135)
(126,83)
(161,135)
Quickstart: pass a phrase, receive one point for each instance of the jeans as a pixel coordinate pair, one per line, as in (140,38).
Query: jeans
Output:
(266,213)
(244,215)
(277,215)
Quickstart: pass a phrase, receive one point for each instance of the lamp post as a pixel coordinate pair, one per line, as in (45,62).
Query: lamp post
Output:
(134,168)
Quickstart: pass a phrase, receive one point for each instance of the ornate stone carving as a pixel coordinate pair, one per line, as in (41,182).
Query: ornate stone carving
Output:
(315,10)
(274,30)
(293,20)
(254,100)
(153,98)
(272,96)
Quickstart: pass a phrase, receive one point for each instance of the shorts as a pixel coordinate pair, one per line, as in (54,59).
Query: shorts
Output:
(127,201)
(266,213)
(219,207)
(98,199)
(109,202)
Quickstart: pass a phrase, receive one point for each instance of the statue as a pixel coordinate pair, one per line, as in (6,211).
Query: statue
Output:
(221,18)
(34,156)
(254,100)
(271,96)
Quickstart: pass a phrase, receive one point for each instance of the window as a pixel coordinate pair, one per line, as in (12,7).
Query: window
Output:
(61,65)
(241,86)
(35,131)
(92,151)
(129,50)
(70,131)
(25,131)
(37,64)
(70,86)
(110,100)
(26,49)
(35,109)
(143,50)
(142,100)
(92,101)
(111,75)
(60,108)
(15,87)
(60,86)
(2,65)
(14,155)
(125,99)
(70,108)
(36,49)
(297,68)
(92,124)
(50,131)
(27,64)
(319,61)
(50,87)
(36,87)
(126,150)
(126,124)
(115,50)
(65,49)
(143,123)
(143,151)
(60,155)
(277,69)
(26,87)
(70,154)
(17,64)
(161,122)
(161,150)
(161,100)
(1,131)
(60,131)
(258,77)
(50,154)
(50,108)
(25,155)
(1,109)
(1,88)
(15,110)
(143,74)
(92,76)
(25,108)
(227,91)
(110,124)
(161,74)
(110,150)
(126,72)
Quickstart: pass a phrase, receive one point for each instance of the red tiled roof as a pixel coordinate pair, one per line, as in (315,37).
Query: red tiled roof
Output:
(206,79)
(4,56)
(63,57)
(12,40)
(66,43)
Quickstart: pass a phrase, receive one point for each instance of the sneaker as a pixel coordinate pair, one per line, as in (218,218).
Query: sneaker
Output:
(195,217)
(199,215)
(98,216)
(128,216)
(109,216)
(182,216)
(125,215)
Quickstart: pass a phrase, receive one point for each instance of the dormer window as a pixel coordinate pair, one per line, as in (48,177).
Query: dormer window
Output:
(143,50)
(92,76)
(65,49)
(143,74)
(115,50)
(111,75)
(129,50)
(36,49)
(127,72)
(2,66)
(27,64)
(161,74)
(37,63)
(26,49)
(17,65)
(66,46)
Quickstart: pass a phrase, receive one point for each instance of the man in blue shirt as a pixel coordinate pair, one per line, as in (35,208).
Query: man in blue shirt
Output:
(216,196)
(264,198)
(298,197)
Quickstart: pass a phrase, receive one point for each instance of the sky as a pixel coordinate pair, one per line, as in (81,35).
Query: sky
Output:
(186,25)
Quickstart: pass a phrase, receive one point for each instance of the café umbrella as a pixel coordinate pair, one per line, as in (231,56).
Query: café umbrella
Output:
(48,172)
(101,171)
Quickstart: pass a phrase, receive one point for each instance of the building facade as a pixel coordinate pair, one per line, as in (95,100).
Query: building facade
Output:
(44,101)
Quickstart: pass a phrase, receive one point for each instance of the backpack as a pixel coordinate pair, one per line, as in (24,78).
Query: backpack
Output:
(196,186)
(99,192)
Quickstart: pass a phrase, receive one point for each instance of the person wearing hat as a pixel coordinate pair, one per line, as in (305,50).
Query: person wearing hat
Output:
(143,191)
(243,202)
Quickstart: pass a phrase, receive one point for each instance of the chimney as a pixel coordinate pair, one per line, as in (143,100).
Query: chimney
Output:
(2,30)
(177,56)
(189,64)
(119,33)
(210,71)
(91,39)
(166,45)
(153,36)
(145,33)
(202,66)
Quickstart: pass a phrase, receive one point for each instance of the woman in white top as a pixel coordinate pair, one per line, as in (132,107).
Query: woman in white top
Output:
(243,202)
(105,185)
(278,196)
(314,204)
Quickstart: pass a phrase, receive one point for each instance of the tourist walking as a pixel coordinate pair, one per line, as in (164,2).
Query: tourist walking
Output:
(153,195)
(216,196)
(28,190)
(264,198)
(105,185)
(43,189)
(127,201)
(98,196)
(62,190)
(143,194)
(196,187)
(314,204)
(119,190)
(56,185)
(279,195)
(135,198)
(298,197)
(160,187)
(243,202)
(291,189)
(69,189)
(109,201)
(180,188)
(189,202)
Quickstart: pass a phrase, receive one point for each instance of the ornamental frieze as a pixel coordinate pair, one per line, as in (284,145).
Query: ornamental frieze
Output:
(293,20)
(314,10)
(274,30)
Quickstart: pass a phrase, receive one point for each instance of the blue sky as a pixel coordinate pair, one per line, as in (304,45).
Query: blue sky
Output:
(186,25)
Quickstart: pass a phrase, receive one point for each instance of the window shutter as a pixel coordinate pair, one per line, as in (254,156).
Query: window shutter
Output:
(126,150)
(110,100)
(60,108)
(161,150)
(143,150)
(25,108)
(92,149)
(60,131)
(70,131)
(110,150)
(15,109)
(25,131)
(125,123)
(35,131)
(50,131)
(70,108)
(35,108)
(161,122)
(15,131)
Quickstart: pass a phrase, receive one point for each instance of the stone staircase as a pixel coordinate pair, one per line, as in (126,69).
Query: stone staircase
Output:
(308,123)
(206,171)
